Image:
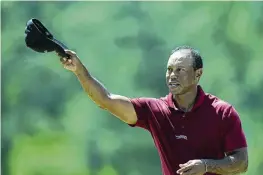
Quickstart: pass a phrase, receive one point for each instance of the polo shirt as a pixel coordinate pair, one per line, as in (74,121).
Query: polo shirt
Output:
(210,129)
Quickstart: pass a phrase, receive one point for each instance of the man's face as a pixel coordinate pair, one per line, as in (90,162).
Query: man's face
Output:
(180,75)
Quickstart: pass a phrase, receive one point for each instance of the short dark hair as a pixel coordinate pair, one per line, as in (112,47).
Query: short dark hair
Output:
(198,60)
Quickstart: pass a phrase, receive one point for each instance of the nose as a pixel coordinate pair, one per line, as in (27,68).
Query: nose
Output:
(173,75)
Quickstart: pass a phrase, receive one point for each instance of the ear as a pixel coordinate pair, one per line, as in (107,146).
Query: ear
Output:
(198,74)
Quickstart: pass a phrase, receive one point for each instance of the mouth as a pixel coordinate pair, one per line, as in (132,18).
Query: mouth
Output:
(174,84)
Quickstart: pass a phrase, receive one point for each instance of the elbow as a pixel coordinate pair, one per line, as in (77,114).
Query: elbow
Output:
(105,102)
(101,103)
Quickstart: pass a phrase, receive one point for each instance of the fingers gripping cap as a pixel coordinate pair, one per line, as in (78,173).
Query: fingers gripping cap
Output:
(39,39)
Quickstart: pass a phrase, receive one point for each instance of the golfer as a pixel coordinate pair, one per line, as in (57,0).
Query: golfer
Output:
(195,132)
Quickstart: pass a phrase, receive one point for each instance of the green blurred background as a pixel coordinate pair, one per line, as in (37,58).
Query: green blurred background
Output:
(51,127)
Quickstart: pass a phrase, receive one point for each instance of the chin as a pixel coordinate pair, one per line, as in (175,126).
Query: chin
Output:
(176,92)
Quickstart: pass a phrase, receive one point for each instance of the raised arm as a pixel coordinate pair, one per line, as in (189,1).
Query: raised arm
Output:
(117,105)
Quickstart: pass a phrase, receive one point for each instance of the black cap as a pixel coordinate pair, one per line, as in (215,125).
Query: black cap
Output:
(39,39)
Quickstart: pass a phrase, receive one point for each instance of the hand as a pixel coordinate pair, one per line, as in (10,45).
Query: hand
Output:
(192,167)
(72,63)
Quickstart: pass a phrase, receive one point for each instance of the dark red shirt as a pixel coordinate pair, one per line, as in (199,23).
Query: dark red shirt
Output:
(210,129)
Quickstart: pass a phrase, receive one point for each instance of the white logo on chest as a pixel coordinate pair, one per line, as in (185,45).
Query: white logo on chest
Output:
(181,137)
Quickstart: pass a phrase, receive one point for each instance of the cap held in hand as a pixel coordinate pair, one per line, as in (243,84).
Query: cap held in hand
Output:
(39,39)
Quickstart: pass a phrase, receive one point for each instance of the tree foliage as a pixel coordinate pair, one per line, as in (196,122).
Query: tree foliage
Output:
(49,124)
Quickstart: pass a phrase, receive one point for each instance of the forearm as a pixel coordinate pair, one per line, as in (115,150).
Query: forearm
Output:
(230,165)
(95,89)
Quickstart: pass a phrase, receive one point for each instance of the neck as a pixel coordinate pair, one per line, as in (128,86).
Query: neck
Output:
(186,101)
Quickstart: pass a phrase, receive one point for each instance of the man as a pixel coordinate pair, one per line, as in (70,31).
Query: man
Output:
(195,132)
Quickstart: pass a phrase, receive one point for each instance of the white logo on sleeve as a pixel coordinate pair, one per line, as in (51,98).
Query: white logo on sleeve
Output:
(181,137)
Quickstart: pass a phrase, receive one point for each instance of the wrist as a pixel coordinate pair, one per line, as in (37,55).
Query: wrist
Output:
(205,165)
(80,70)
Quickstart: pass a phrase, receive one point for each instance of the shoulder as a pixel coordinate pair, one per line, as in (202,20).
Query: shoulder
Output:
(144,100)
(154,103)
(223,108)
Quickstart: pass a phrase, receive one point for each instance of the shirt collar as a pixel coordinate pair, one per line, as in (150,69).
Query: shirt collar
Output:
(198,103)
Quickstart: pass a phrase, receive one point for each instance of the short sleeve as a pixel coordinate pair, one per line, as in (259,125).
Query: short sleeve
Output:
(142,109)
(234,135)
